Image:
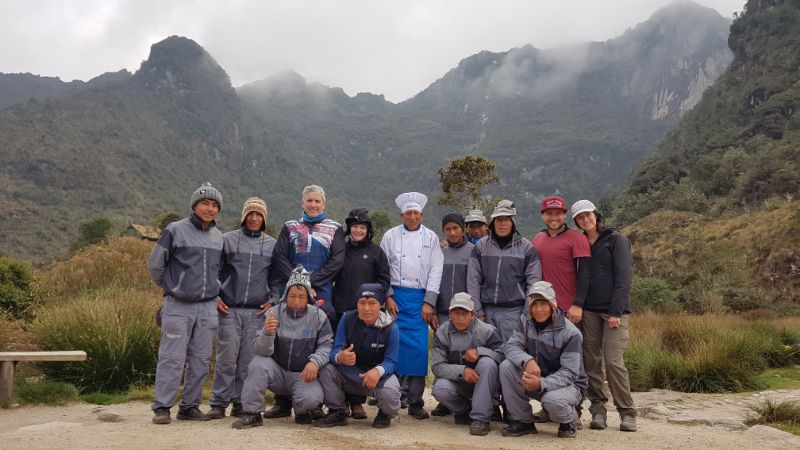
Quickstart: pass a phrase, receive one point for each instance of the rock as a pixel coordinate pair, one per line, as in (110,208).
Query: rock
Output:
(49,426)
(654,412)
(109,416)
(688,419)
(97,409)
(729,424)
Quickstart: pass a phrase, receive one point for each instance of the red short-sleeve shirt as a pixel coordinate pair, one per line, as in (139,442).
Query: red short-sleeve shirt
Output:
(557,255)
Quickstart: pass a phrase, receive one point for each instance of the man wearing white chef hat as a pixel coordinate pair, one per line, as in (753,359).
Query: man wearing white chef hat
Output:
(415,263)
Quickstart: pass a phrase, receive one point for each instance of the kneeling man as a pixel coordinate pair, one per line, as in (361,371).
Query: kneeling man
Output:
(363,360)
(290,350)
(466,353)
(543,362)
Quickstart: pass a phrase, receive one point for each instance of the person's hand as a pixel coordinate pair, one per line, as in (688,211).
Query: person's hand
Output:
(482,318)
(575,313)
(370,378)
(309,372)
(442,244)
(471,376)
(264,308)
(391,307)
(222,308)
(614,322)
(531,382)
(313,292)
(271,324)
(347,357)
(429,315)
(471,355)
(532,367)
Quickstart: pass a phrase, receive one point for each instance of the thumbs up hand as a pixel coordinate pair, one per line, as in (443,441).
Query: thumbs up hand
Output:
(347,356)
(271,324)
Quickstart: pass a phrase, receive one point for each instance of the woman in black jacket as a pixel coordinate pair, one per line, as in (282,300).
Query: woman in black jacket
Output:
(606,314)
(364,262)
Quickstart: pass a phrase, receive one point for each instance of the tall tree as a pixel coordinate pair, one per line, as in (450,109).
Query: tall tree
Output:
(464,180)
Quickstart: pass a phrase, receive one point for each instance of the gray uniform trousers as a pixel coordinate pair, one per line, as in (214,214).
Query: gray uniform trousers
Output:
(456,395)
(603,343)
(187,335)
(336,385)
(265,373)
(504,319)
(235,336)
(559,403)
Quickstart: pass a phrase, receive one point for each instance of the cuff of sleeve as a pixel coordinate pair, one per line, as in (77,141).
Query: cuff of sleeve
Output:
(390,292)
(542,385)
(524,360)
(380,370)
(430,298)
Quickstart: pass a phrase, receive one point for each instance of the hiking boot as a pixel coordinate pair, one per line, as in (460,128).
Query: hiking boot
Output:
(462,419)
(334,418)
(278,411)
(381,420)
(517,429)
(373,402)
(567,430)
(598,421)
(541,417)
(248,420)
(440,411)
(479,428)
(216,412)
(627,423)
(161,416)
(357,411)
(309,416)
(237,410)
(417,412)
(578,424)
(403,403)
(192,413)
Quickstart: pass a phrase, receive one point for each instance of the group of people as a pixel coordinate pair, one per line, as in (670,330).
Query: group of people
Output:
(323,316)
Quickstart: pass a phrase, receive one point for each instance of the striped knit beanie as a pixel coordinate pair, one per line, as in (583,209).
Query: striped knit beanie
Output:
(255,204)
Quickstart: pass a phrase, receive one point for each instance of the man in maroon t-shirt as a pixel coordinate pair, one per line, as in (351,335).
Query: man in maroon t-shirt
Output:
(563,254)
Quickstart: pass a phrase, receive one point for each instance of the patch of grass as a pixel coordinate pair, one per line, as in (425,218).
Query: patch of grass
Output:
(45,392)
(780,378)
(780,414)
(142,393)
(104,398)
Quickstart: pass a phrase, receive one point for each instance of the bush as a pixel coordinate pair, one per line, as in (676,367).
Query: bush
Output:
(119,262)
(16,298)
(653,294)
(770,411)
(92,231)
(114,327)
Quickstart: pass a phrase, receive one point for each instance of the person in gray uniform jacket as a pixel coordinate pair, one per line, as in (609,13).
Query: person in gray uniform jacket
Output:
(466,354)
(543,362)
(244,296)
(185,263)
(290,350)
(363,360)
(502,267)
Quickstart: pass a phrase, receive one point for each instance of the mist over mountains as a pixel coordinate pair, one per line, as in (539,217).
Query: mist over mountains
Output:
(572,120)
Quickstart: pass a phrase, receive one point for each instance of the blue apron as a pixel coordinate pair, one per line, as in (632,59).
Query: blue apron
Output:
(413,358)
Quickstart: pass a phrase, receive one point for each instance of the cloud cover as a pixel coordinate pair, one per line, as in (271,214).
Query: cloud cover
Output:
(389,47)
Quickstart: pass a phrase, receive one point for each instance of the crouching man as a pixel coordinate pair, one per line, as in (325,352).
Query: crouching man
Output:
(289,353)
(364,360)
(543,362)
(466,353)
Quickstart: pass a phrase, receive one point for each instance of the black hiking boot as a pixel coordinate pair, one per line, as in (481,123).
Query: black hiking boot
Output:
(417,412)
(479,428)
(278,411)
(216,412)
(161,416)
(541,417)
(462,419)
(192,413)
(440,411)
(248,420)
(334,418)
(381,420)
(598,421)
(567,430)
(237,410)
(517,429)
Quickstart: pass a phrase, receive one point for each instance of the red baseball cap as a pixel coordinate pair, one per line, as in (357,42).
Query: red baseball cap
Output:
(554,202)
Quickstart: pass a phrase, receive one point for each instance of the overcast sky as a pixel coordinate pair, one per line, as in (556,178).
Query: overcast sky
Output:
(390,47)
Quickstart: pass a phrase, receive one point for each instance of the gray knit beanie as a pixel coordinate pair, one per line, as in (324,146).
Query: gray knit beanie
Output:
(206,191)
(299,277)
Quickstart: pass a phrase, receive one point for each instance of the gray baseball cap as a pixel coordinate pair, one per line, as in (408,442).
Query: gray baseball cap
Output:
(504,208)
(475,215)
(462,300)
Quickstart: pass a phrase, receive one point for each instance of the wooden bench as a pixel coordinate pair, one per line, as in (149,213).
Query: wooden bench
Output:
(9,360)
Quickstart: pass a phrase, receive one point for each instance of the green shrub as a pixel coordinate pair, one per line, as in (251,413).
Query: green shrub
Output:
(16,278)
(92,231)
(45,392)
(770,411)
(653,294)
(114,327)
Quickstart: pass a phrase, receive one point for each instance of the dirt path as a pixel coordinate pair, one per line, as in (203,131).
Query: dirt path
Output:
(667,420)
